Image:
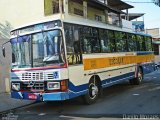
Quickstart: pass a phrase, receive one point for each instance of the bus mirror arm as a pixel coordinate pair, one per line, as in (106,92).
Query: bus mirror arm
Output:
(3,51)
(3,48)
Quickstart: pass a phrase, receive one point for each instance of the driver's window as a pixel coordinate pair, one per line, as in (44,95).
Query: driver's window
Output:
(54,48)
(52,43)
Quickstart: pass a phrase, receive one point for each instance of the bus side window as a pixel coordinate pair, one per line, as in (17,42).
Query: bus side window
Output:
(76,46)
(121,43)
(72,44)
(86,45)
(148,42)
(69,42)
(138,43)
(90,41)
(132,45)
(141,44)
(104,41)
(111,37)
(95,41)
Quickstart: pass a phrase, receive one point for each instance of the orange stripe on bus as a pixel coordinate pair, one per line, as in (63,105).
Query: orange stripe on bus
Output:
(96,63)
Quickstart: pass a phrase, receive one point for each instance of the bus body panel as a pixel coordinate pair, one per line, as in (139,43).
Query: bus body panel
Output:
(79,78)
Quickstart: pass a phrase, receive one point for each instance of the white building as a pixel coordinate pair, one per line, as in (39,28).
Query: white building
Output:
(155,32)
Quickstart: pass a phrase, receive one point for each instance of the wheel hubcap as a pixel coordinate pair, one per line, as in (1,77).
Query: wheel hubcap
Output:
(140,76)
(93,91)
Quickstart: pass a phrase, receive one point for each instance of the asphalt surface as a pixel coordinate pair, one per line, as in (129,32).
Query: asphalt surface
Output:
(121,101)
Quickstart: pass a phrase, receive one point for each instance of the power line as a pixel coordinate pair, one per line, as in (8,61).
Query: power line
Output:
(156,2)
(138,2)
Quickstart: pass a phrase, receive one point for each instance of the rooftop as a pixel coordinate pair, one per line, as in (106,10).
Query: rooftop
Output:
(133,16)
(119,4)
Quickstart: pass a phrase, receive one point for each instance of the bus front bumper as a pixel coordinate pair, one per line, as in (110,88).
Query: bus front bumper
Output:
(58,96)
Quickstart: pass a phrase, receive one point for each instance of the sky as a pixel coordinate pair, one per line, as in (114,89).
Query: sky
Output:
(152,12)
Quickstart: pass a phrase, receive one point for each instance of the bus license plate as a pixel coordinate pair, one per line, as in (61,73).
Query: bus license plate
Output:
(32,96)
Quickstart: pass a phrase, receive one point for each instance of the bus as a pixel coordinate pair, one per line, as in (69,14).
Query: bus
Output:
(60,59)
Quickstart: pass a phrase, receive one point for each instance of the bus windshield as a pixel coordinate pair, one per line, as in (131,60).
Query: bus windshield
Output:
(37,49)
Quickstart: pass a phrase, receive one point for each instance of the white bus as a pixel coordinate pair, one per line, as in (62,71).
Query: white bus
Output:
(61,59)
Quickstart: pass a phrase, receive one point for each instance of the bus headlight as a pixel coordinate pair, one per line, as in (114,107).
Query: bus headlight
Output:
(16,86)
(53,85)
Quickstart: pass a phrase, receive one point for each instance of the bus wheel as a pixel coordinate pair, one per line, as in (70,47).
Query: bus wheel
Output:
(138,79)
(93,92)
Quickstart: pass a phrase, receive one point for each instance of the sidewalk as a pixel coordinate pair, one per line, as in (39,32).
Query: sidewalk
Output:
(7,103)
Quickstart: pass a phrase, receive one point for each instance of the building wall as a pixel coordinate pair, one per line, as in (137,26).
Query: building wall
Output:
(4,66)
(127,25)
(48,7)
(154,32)
(19,12)
(92,12)
(73,5)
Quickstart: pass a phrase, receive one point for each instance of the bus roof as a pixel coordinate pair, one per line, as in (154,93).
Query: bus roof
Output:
(87,23)
(33,23)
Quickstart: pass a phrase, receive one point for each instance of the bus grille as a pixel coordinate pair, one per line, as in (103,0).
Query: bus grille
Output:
(37,86)
(33,76)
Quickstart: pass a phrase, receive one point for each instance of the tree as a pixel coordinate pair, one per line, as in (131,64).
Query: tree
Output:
(156,2)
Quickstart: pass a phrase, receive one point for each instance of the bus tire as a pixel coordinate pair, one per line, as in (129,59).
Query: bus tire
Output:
(94,91)
(138,80)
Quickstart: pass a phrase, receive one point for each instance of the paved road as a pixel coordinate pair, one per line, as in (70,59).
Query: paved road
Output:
(122,100)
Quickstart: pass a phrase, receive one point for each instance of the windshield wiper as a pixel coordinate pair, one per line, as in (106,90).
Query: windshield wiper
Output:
(51,58)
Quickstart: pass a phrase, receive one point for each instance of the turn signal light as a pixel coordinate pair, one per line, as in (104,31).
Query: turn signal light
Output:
(64,85)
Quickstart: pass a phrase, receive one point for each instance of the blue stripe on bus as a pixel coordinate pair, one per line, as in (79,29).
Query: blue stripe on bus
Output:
(55,96)
(23,95)
(117,78)
(82,89)
(75,91)
(74,88)
(148,68)
(144,53)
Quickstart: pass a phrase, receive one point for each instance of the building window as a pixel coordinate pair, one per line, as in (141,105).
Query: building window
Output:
(78,12)
(98,18)
(51,7)
(55,5)
(113,18)
(75,7)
